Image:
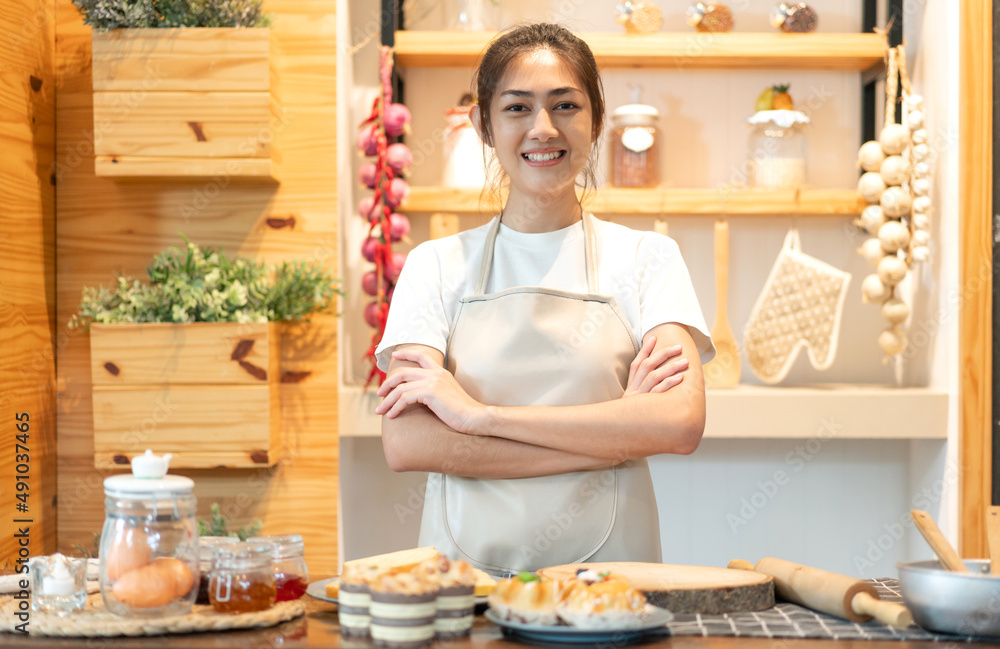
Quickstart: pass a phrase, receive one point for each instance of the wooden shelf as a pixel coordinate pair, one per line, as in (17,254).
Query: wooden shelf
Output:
(145,167)
(830,411)
(662,200)
(680,51)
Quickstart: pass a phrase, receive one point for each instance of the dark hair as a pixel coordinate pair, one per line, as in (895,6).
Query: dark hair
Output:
(524,39)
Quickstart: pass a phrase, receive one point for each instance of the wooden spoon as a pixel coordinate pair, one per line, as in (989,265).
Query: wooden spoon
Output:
(724,370)
(936,539)
(993,536)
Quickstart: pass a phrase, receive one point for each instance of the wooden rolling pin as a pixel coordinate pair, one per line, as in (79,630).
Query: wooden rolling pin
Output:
(828,592)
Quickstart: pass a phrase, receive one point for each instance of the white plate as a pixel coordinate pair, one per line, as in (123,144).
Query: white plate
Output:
(317,589)
(575,635)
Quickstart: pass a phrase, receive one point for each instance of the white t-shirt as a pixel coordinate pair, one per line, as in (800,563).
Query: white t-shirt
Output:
(644,271)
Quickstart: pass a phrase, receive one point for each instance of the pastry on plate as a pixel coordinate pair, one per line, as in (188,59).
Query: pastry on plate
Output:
(602,601)
(526,598)
(484,583)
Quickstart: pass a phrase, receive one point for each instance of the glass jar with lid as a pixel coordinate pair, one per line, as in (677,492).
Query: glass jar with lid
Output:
(291,576)
(777,149)
(634,146)
(242,578)
(206,557)
(149,543)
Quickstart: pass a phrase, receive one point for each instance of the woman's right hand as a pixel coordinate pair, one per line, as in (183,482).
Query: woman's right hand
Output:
(655,371)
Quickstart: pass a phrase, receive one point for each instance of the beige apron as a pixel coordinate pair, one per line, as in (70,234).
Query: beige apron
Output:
(536,346)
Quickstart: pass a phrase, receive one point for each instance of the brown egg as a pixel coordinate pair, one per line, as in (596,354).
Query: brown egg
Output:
(183,577)
(129,550)
(150,586)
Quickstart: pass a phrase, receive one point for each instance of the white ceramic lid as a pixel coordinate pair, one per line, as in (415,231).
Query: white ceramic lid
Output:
(149,478)
(783,118)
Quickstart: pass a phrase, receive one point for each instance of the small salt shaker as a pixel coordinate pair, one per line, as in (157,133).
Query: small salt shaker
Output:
(798,18)
(58,584)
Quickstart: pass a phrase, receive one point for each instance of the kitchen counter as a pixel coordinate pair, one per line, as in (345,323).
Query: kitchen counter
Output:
(319,629)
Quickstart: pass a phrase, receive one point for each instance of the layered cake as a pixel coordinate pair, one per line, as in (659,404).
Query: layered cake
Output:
(456,601)
(353,590)
(403,609)
(600,601)
(527,598)
(354,600)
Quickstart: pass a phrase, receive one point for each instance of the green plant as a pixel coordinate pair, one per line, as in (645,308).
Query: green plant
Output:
(103,15)
(204,285)
(219,526)
(90,553)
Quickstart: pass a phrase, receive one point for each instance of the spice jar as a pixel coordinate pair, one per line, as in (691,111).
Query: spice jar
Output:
(777,149)
(242,578)
(206,558)
(634,149)
(149,543)
(291,576)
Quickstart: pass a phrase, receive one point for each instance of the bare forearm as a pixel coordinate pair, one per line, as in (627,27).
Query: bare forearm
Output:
(630,428)
(417,440)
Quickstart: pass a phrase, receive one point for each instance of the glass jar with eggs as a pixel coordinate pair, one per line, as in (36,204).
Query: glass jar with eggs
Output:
(777,149)
(149,543)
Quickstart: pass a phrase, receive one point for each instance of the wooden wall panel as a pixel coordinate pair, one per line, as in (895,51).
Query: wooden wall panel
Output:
(976,255)
(27,269)
(107,226)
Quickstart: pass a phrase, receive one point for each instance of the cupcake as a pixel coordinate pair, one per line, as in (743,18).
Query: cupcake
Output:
(526,598)
(354,600)
(456,601)
(601,601)
(403,608)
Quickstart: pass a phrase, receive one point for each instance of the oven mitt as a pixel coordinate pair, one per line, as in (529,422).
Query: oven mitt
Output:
(801,305)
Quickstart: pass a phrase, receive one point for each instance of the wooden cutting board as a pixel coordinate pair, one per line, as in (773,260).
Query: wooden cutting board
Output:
(686,589)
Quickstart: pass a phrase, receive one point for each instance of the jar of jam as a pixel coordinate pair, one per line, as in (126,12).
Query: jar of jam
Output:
(242,578)
(291,576)
(206,556)
(633,144)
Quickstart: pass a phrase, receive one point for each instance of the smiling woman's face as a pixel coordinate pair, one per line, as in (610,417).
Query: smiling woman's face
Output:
(541,124)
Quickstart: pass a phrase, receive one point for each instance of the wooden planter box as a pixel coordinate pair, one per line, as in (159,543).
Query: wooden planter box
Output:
(188,102)
(206,392)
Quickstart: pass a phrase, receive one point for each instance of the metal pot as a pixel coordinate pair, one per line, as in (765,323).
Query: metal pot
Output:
(952,602)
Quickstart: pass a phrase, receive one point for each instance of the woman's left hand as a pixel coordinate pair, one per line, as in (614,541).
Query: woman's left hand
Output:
(655,370)
(432,385)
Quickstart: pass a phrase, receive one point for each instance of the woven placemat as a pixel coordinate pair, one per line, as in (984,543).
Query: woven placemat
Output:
(786,620)
(96,621)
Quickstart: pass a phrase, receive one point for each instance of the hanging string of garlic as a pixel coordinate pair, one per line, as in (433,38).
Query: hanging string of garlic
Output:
(920,181)
(896,185)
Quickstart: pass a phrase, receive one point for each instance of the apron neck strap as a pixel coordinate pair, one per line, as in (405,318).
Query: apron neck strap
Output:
(589,252)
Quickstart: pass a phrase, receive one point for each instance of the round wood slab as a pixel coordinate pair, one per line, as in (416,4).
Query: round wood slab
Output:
(686,589)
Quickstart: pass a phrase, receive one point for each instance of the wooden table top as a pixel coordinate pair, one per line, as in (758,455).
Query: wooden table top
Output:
(319,629)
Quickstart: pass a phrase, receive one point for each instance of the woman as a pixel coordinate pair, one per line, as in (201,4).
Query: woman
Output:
(515,375)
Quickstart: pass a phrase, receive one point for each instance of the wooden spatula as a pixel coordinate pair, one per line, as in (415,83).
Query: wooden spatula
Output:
(724,370)
(993,536)
(935,538)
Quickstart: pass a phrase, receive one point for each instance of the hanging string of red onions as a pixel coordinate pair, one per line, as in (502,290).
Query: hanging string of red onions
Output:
(387,120)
